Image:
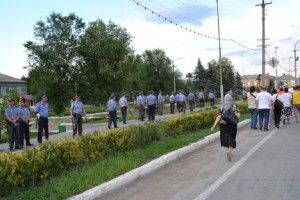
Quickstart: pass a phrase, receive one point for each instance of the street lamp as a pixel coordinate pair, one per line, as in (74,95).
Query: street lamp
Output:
(295,58)
(220,57)
(290,71)
(276,83)
(174,72)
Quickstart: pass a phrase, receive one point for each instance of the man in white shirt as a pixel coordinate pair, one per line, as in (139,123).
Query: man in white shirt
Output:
(264,103)
(287,110)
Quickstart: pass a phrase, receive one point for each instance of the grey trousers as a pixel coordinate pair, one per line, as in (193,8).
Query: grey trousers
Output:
(13,136)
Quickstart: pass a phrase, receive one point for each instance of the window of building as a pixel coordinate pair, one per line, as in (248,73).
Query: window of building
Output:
(3,91)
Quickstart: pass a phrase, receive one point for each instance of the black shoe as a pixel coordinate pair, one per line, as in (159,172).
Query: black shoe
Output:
(29,145)
(11,149)
(109,127)
(116,127)
(266,129)
(277,126)
(18,148)
(260,128)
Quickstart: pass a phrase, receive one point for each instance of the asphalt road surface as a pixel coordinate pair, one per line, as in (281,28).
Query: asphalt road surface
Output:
(266,165)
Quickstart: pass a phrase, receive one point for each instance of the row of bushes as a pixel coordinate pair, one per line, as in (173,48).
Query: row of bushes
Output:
(30,167)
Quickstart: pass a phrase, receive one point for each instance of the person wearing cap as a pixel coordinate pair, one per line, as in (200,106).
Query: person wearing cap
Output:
(201,99)
(182,102)
(191,98)
(12,116)
(141,106)
(42,113)
(123,105)
(151,103)
(24,123)
(172,103)
(76,111)
(112,111)
(160,101)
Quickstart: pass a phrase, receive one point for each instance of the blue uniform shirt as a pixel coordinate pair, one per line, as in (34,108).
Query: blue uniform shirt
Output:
(111,105)
(42,109)
(12,112)
(181,97)
(140,100)
(24,112)
(211,95)
(172,98)
(160,98)
(123,102)
(191,97)
(201,96)
(77,107)
(177,97)
(151,100)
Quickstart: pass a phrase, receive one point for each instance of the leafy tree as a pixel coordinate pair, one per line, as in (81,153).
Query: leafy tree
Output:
(157,71)
(105,51)
(53,57)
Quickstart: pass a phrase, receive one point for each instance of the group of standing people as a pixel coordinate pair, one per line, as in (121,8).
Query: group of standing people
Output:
(275,105)
(18,124)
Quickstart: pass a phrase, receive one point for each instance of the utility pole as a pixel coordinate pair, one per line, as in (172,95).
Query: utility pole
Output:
(263,5)
(290,71)
(220,58)
(276,83)
(296,59)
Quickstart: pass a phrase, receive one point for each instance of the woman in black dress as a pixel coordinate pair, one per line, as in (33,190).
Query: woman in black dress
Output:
(227,131)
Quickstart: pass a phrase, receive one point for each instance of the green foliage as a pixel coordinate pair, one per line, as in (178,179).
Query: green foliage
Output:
(200,76)
(51,158)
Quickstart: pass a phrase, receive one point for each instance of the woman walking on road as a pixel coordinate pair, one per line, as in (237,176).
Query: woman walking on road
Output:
(277,111)
(287,110)
(252,107)
(227,131)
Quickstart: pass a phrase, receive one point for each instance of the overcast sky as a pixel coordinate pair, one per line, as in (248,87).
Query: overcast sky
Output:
(239,20)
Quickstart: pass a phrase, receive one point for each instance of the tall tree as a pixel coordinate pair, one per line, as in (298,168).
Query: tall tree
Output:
(200,76)
(105,51)
(157,71)
(238,86)
(53,57)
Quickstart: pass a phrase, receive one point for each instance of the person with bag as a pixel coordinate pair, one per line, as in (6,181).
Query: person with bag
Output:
(228,128)
(277,107)
(287,110)
(252,107)
(296,102)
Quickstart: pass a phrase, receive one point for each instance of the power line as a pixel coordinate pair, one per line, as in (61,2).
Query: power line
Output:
(190,30)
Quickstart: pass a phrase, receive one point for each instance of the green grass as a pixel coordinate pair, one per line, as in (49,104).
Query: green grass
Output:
(85,176)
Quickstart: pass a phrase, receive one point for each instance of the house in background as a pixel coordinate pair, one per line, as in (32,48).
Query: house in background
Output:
(8,83)
(286,80)
(255,80)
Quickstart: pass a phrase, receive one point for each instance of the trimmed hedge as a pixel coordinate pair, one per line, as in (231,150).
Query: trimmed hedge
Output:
(28,168)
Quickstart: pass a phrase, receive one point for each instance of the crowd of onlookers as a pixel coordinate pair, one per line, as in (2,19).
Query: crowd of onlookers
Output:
(275,107)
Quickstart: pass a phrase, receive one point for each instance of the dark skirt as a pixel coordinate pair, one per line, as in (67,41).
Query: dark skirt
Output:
(228,135)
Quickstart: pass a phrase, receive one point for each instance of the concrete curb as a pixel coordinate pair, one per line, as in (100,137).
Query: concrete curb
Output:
(100,190)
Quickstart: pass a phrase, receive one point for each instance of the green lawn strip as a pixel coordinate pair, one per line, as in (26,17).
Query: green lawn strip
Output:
(85,176)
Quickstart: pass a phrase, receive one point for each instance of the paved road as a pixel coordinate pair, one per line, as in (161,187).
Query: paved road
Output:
(266,165)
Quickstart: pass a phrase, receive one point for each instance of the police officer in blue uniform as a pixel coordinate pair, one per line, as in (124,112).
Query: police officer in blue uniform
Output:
(112,111)
(76,111)
(160,100)
(123,105)
(172,103)
(191,98)
(24,123)
(151,102)
(182,102)
(12,115)
(141,106)
(42,112)
(201,99)
(177,100)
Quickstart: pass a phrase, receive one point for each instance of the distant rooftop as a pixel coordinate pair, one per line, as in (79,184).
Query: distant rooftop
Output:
(8,79)
(285,77)
(254,76)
